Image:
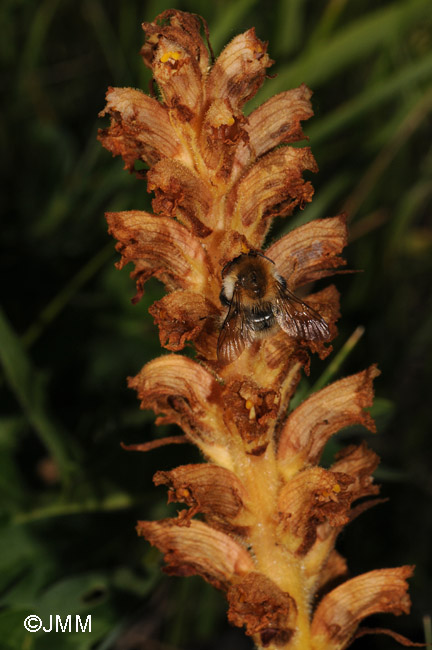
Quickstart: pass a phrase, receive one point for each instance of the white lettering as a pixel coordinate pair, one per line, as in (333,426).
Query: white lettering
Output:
(78,622)
(50,628)
(67,623)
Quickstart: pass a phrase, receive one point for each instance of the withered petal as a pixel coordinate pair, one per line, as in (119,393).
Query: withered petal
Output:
(160,247)
(188,395)
(278,119)
(140,128)
(359,462)
(175,52)
(266,611)
(181,316)
(311,497)
(205,488)
(272,187)
(340,611)
(181,193)
(279,364)
(239,70)
(311,424)
(180,26)
(310,251)
(250,410)
(197,549)
(222,131)
(356,460)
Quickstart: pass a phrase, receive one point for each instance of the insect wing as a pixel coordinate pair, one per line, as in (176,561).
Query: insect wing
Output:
(297,318)
(235,334)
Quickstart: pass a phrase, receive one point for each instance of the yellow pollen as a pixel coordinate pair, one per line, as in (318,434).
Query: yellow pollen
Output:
(244,248)
(249,404)
(170,55)
(223,121)
(183,492)
(336,488)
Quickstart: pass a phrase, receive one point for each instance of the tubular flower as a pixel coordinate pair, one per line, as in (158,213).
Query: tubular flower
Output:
(261,517)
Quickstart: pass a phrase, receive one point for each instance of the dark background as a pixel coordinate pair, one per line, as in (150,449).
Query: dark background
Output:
(69,335)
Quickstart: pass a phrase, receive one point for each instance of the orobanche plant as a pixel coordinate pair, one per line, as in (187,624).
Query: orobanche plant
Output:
(262,516)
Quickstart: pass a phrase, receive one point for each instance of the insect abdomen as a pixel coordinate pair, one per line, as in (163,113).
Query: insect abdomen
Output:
(260,319)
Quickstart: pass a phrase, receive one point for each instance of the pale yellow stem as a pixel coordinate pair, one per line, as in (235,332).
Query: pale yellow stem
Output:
(260,477)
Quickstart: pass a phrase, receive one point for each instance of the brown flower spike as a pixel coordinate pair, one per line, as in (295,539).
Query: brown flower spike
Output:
(262,517)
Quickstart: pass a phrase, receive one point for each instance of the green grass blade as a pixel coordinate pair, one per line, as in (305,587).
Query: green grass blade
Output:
(335,365)
(225,27)
(330,16)
(36,36)
(304,389)
(96,15)
(113,502)
(354,42)
(369,99)
(413,120)
(289,28)
(27,385)
(59,302)
(409,209)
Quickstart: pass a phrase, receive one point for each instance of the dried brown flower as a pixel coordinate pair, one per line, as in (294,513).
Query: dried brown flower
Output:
(268,515)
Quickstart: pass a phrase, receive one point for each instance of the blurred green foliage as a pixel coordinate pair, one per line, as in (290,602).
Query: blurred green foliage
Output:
(69,334)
